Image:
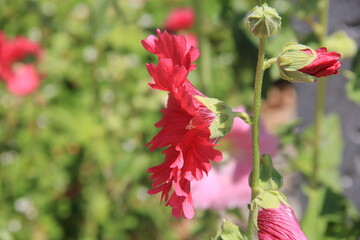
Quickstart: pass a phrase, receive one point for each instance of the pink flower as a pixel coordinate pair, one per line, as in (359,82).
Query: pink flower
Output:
(279,224)
(184,125)
(21,79)
(230,179)
(180,18)
(24,81)
(325,64)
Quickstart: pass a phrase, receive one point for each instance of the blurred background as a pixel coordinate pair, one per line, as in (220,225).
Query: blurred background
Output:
(73,161)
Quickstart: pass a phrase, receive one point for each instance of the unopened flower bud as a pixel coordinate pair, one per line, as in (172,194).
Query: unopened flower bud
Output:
(279,223)
(263,21)
(300,63)
(224,116)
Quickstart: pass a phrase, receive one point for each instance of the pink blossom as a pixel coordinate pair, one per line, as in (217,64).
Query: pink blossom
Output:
(226,185)
(279,224)
(24,80)
(180,18)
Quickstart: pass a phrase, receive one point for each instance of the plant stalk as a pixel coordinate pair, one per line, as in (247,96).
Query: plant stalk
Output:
(320,99)
(255,133)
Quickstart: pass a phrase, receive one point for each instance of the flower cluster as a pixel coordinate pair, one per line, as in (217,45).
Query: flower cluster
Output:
(185,124)
(21,78)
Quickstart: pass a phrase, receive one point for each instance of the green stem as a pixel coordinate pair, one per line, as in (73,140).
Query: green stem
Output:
(204,68)
(269,62)
(255,134)
(244,116)
(320,99)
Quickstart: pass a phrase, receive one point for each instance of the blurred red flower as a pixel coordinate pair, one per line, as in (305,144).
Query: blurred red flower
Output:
(20,77)
(279,224)
(325,64)
(185,124)
(180,18)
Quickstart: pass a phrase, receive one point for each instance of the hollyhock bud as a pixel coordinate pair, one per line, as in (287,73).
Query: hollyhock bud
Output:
(300,63)
(279,223)
(180,18)
(263,21)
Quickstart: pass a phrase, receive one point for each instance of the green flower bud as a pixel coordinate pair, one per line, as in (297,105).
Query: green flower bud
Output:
(270,178)
(224,116)
(263,21)
(291,59)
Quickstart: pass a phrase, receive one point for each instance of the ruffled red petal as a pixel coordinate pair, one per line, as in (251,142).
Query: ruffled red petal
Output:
(325,64)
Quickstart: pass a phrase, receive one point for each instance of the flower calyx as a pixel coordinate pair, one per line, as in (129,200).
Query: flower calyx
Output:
(265,200)
(224,116)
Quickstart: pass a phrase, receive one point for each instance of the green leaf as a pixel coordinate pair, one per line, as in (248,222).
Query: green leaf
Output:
(229,231)
(313,225)
(353,85)
(330,152)
(342,43)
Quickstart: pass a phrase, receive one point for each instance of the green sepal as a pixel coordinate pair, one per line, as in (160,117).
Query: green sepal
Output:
(291,59)
(229,231)
(224,116)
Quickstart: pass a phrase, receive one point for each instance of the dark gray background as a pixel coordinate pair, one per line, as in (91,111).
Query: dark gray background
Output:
(345,15)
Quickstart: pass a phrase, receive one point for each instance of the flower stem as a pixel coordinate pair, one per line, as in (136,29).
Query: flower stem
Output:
(320,99)
(244,116)
(255,133)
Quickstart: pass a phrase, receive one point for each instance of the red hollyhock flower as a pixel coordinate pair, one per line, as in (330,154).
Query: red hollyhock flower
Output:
(325,64)
(279,224)
(167,77)
(185,126)
(180,18)
(173,47)
(21,79)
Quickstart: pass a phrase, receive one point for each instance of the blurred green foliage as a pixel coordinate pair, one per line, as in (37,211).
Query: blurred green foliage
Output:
(72,156)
